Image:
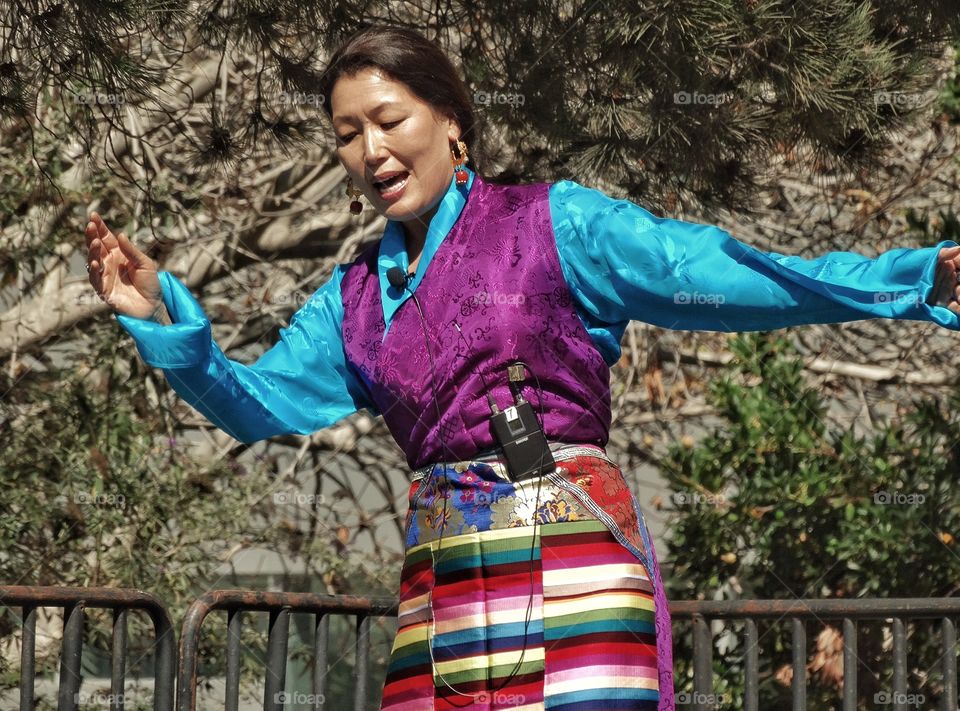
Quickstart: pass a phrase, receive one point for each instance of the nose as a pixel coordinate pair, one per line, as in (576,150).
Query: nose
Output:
(374,148)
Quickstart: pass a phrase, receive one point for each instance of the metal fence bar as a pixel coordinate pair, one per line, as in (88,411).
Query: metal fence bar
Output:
(28,652)
(232,685)
(360,666)
(899,665)
(702,663)
(321,641)
(118,659)
(948,634)
(276,677)
(752,668)
(75,601)
(799,649)
(69,689)
(850,662)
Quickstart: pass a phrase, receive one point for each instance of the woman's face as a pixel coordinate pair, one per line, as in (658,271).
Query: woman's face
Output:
(386,133)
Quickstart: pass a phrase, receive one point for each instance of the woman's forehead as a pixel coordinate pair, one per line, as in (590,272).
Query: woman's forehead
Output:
(367,90)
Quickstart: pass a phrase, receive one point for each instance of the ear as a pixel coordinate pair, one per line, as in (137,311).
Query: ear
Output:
(453,129)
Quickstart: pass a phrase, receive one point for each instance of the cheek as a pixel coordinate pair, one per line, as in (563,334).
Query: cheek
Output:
(348,157)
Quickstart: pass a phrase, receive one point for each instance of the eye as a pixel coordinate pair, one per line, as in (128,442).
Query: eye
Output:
(391,124)
(347,137)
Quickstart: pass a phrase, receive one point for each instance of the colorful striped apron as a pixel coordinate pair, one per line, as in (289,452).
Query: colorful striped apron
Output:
(594,634)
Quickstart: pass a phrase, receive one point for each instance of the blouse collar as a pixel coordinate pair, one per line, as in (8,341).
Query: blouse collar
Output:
(393,251)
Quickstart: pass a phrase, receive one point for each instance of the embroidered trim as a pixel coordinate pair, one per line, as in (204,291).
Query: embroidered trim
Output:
(607,519)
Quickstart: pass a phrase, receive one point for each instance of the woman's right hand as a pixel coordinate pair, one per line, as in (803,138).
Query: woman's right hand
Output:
(123,276)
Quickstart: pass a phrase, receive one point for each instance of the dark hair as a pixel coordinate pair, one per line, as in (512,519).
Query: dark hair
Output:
(408,57)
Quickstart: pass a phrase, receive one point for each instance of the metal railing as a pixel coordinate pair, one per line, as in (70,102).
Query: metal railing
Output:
(74,602)
(279,605)
(697,615)
(798,612)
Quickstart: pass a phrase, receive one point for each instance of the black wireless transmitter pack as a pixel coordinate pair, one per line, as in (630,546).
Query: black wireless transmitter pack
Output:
(520,436)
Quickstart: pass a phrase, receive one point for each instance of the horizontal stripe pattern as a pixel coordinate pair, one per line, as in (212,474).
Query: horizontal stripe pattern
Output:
(598,621)
(560,616)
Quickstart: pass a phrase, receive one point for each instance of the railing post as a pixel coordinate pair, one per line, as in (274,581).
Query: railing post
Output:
(321,640)
(360,666)
(799,685)
(949,637)
(118,659)
(69,688)
(850,661)
(752,670)
(232,681)
(275,683)
(899,665)
(28,657)
(702,663)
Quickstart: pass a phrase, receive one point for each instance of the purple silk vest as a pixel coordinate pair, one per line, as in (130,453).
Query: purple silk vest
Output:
(496,274)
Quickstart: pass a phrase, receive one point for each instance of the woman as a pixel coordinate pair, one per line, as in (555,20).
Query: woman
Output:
(528,592)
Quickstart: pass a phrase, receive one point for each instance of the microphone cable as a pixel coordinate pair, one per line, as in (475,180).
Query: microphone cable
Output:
(398,279)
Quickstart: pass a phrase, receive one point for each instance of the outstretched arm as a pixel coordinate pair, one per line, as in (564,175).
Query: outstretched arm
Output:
(302,384)
(622,262)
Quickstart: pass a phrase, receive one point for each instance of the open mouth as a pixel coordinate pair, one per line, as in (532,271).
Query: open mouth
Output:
(392,183)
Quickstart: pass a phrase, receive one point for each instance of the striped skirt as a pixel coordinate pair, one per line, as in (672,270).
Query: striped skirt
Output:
(539,595)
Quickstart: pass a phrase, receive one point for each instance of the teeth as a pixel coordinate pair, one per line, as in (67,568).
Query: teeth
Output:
(393,179)
(394,183)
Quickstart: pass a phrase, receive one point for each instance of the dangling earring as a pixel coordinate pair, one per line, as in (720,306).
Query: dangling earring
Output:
(458,162)
(356,206)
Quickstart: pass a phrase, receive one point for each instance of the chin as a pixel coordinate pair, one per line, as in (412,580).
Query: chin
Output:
(401,210)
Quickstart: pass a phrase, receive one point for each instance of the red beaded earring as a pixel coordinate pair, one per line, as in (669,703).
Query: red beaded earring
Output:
(356,206)
(458,162)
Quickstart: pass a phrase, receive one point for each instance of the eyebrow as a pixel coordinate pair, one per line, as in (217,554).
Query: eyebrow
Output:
(376,109)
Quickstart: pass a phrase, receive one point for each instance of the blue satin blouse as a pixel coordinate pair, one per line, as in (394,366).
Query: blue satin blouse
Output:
(620,262)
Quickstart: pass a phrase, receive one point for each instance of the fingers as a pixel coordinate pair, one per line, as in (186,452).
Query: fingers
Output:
(96,227)
(135,256)
(945,286)
(95,277)
(942,283)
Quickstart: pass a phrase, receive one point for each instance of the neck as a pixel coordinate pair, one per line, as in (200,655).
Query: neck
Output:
(415,232)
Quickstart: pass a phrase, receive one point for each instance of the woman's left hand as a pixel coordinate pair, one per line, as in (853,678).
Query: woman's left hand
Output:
(946,290)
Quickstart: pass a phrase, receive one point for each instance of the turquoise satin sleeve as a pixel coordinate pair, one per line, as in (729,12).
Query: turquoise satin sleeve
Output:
(300,385)
(623,263)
